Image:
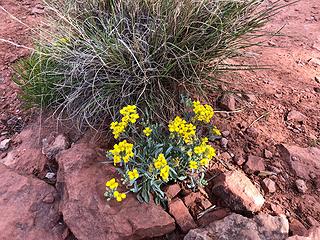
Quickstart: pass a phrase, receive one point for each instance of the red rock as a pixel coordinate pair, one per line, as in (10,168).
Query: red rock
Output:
(268,154)
(212,216)
(239,160)
(249,97)
(236,226)
(225,156)
(295,116)
(309,205)
(312,234)
(237,191)
(23,213)
(26,158)
(302,161)
(301,186)
(297,228)
(49,198)
(51,147)
(268,185)
(182,216)
(252,132)
(254,164)
(172,190)
(228,102)
(276,209)
(196,201)
(312,222)
(81,179)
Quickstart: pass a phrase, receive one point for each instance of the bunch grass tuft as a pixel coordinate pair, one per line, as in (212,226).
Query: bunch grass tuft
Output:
(102,55)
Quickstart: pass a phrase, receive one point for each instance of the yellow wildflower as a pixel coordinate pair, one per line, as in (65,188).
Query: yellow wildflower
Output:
(112,184)
(134,174)
(122,151)
(205,150)
(204,140)
(119,196)
(185,130)
(203,113)
(130,115)
(216,131)
(193,165)
(210,152)
(200,149)
(147,131)
(160,161)
(118,128)
(204,162)
(164,173)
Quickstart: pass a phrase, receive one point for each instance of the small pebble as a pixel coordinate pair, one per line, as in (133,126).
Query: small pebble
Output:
(225,133)
(268,154)
(50,175)
(4,144)
(224,142)
(301,185)
(269,185)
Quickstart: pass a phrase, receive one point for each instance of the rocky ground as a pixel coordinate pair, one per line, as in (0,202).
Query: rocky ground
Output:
(264,185)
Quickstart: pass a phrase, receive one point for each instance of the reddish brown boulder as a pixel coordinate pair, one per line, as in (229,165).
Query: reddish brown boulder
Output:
(237,191)
(172,190)
(297,228)
(25,211)
(196,201)
(309,205)
(235,226)
(81,179)
(182,216)
(26,158)
(254,164)
(312,234)
(212,216)
(302,161)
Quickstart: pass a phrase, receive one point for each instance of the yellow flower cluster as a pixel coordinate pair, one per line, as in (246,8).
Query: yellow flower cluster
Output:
(119,196)
(130,115)
(112,184)
(122,151)
(186,130)
(162,164)
(147,131)
(134,174)
(203,113)
(206,152)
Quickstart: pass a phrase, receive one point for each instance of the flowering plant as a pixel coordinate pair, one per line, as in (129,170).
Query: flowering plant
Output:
(151,155)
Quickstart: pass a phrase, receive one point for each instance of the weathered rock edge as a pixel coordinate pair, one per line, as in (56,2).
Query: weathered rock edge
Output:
(81,180)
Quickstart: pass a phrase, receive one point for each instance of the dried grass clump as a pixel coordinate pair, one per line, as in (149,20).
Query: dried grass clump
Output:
(101,55)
